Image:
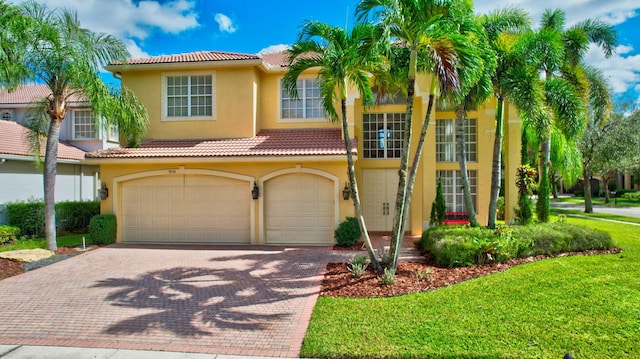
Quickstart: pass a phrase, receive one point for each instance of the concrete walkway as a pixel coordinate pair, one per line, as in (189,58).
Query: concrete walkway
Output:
(246,301)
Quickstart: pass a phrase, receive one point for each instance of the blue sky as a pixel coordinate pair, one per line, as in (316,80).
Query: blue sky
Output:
(156,27)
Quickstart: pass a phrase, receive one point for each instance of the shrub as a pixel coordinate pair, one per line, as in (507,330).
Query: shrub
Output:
(464,246)
(358,265)
(438,207)
(388,277)
(348,232)
(631,195)
(500,214)
(102,229)
(75,216)
(28,216)
(8,234)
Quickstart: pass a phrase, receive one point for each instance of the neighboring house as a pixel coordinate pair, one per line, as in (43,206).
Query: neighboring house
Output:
(230,157)
(19,178)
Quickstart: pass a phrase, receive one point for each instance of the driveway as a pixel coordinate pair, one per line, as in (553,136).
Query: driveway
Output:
(224,300)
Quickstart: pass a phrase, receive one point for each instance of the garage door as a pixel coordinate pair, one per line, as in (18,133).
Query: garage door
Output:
(299,209)
(186,209)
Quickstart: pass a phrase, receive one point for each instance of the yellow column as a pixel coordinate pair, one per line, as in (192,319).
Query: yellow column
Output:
(511,151)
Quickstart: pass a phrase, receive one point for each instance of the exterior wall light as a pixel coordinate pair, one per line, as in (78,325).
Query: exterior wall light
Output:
(346,191)
(255,192)
(104,191)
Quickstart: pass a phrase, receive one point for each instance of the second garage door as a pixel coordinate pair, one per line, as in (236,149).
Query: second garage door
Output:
(299,209)
(186,209)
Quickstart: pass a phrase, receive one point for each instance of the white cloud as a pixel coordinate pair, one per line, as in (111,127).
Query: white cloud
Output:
(622,69)
(124,19)
(225,23)
(274,48)
(135,50)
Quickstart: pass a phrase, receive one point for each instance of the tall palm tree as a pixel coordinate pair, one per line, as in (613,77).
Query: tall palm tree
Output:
(343,59)
(560,53)
(51,47)
(514,81)
(428,30)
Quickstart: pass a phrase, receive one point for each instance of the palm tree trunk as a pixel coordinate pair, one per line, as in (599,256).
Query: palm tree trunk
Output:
(355,195)
(544,188)
(496,173)
(588,203)
(397,234)
(462,160)
(49,176)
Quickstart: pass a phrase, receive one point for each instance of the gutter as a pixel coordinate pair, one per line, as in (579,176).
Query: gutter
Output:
(244,159)
(5,157)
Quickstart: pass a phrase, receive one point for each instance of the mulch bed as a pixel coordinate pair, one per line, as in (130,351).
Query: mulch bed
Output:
(338,281)
(9,268)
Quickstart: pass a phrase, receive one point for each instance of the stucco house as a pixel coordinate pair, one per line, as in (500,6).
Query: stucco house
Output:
(230,157)
(20,179)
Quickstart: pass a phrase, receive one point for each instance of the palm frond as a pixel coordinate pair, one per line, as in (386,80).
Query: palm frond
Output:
(37,120)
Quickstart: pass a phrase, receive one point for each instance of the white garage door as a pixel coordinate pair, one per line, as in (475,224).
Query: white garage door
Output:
(186,209)
(299,209)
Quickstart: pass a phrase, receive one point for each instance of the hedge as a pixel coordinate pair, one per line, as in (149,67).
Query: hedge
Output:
(102,229)
(70,216)
(8,234)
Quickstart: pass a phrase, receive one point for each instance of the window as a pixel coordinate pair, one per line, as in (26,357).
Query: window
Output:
(382,135)
(308,104)
(446,140)
(113,133)
(6,115)
(452,188)
(83,125)
(189,96)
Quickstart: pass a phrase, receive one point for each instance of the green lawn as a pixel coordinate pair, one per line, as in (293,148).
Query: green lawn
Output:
(614,217)
(63,241)
(619,202)
(589,306)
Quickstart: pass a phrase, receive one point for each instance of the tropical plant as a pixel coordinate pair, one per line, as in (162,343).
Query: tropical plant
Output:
(558,54)
(50,46)
(439,206)
(514,80)
(428,30)
(343,59)
(526,179)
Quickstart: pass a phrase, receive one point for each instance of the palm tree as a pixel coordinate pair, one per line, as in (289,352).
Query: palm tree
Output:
(559,54)
(51,47)
(343,59)
(428,30)
(514,81)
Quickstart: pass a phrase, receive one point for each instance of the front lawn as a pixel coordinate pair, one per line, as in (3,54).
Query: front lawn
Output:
(586,305)
(70,240)
(618,202)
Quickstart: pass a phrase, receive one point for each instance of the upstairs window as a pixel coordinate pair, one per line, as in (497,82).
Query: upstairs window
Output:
(308,105)
(84,125)
(6,115)
(446,140)
(113,133)
(382,135)
(189,96)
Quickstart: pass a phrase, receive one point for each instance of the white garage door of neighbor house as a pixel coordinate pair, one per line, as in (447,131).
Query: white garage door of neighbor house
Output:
(299,209)
(186,209)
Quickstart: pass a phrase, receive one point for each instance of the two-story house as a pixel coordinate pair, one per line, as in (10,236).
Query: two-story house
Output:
(20,179)
(230,157)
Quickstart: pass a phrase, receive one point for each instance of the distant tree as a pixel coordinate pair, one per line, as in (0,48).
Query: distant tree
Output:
(50,46)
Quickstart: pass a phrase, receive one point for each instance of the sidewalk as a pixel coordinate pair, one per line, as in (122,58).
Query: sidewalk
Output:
(30,352)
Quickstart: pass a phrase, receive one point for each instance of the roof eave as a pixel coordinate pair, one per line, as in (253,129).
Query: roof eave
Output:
(186,64)
(210,159)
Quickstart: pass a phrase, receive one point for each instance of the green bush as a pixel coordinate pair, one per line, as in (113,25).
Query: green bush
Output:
(8,234)
(457,246)
(75,216)
(348,232)
(70,216)
(28,216)
(500,214)
(102,229)
(631,195)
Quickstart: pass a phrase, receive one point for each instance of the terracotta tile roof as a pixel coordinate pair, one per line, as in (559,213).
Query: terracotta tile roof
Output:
(288,142)
(200,56)
(13,142)
(27,93)
(281,59)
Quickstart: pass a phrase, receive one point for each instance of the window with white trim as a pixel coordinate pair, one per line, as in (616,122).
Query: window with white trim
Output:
(446,140)
(189,96)
(6,115)
(452,189)
(83,125)
(308,105)
(113,133)
(382,135)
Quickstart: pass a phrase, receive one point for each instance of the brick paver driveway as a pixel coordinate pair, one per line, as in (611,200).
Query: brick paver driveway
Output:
(226,300)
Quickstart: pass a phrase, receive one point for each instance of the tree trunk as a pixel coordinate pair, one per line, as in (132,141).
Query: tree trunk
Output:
(605,185)
(588,204)
(397,234)
(49,176)
(554,186)
(524,148)
(462,159)
(355,195)
(544,188)
(496,173)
